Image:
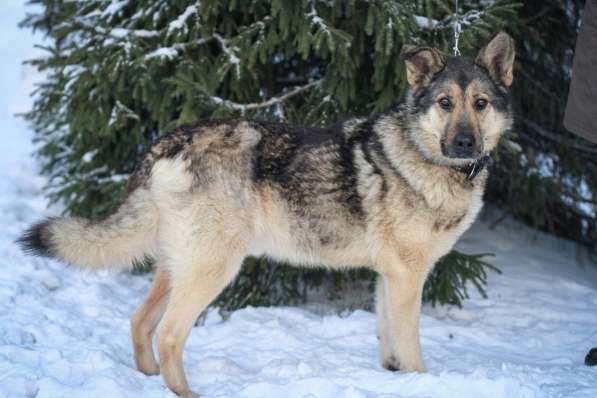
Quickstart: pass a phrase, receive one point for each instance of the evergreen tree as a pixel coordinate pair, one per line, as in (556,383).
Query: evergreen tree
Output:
(121,73)
(549,178)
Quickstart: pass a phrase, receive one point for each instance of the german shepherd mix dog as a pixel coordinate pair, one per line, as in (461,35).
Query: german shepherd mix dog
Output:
(392,193)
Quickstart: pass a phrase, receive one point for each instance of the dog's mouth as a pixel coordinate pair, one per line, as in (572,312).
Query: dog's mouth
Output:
(472,168)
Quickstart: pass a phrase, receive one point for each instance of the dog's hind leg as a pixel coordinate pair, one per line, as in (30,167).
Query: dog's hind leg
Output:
(194,284)
(145,320)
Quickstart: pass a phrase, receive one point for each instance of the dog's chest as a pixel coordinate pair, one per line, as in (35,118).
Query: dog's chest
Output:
(431,221)
(452,214)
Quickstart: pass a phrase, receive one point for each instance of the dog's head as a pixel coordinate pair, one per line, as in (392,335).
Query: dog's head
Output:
(458,107)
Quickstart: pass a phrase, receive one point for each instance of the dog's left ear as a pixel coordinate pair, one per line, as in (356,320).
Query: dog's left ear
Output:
(422,63)
(498,58)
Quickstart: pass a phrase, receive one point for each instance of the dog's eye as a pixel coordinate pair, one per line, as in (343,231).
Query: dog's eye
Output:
(480,104)
(445,103)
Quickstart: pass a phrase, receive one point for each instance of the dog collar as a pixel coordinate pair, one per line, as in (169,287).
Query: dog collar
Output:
(474,168)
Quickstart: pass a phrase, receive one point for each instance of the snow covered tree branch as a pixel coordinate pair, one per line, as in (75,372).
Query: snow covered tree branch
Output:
(270,102)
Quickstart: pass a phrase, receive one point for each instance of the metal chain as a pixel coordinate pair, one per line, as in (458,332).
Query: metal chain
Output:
(457,30)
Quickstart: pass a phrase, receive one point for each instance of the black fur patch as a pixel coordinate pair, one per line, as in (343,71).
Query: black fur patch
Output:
(292,157)
(370,145)
(36,240)
(422,100)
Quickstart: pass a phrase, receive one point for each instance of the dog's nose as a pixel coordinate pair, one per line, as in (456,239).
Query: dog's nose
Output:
(463,145)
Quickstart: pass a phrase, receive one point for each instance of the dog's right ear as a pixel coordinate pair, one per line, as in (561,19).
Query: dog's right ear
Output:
(422,63)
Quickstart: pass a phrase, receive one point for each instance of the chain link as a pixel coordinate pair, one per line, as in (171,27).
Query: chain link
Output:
(457,30)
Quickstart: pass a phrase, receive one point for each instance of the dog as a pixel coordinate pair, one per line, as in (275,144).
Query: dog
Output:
(393,193)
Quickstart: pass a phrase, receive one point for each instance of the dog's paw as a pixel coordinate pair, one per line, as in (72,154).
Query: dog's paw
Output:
(190,394)
(395,365)
(391,364)
(149,368)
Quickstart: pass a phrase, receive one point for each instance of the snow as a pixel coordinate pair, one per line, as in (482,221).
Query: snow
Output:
(120,111)
(317,21)
(586,194)
(65,333)
(180,22)
(547,166)
(163,52)
(88,156)
(114,7)
(425,22)
(230,52)
(122,33)
(470,17)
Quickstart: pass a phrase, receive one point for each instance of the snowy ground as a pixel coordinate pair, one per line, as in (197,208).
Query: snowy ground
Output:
(64,333)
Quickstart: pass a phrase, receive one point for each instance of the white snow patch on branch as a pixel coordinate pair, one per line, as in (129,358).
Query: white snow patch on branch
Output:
(425,23)
(180,22)
(470,17)
(230,52)
(316,21)
(114,8)
(172,51)
(122,33)
(163,52)
(120,111)
(88,156)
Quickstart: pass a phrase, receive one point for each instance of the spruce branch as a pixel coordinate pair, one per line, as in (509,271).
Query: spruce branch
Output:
(447,283)
(272,101)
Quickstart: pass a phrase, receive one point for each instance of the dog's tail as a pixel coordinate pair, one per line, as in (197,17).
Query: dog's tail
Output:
(117,241)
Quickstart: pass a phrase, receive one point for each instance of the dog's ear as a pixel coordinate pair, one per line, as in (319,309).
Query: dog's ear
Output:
(422,63)
(498,58)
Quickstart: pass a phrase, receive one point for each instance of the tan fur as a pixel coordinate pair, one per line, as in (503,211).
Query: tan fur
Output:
(202,209)
(118,241)
(145,321)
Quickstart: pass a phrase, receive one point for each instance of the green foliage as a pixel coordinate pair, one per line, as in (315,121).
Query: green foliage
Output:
(267,283)
(121,73)
(263,282)
(447,284)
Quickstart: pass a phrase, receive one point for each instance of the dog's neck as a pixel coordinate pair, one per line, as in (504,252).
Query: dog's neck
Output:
(421,174)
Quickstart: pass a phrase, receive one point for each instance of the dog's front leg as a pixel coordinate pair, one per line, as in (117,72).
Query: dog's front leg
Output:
(383,328)
(400,289)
